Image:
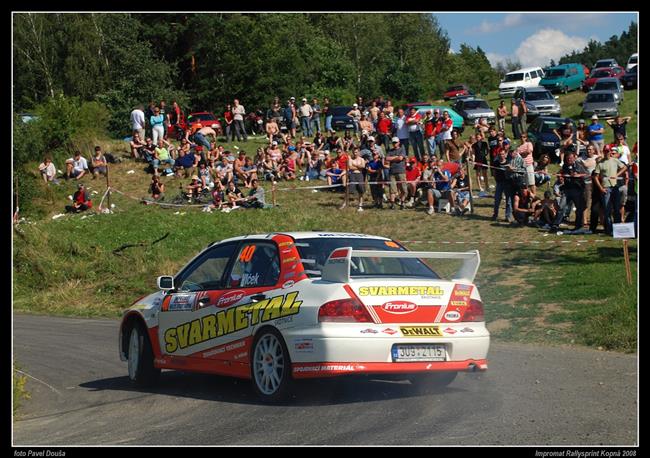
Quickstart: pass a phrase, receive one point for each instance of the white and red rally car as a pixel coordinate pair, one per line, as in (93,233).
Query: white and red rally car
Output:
(278,307)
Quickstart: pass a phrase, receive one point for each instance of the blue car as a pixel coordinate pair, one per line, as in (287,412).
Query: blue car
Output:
(340,118)
(540,132)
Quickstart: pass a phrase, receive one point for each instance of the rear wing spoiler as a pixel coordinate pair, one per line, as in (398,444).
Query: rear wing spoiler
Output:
(337,267)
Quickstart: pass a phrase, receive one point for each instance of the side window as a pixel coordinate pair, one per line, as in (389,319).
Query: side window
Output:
(256,264)
(207,271)
(527,76)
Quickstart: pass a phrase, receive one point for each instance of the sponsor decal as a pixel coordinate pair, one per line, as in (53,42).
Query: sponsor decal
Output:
(344,235)
(389,331)
(287,251)
(467,330)
(288,284)
(285,320)
(157,301)
(247,253)
(230,298)
(462,293)
(452,316)
(181,302)
(401,291)
(420,331)
(399,307)
(234,319)
(327,367)
(288,260)
(450,331)
(250,279)
(369,331)
(303,345)
(224,348)
(391,244)
(336,261)
(285,244)
(462,303)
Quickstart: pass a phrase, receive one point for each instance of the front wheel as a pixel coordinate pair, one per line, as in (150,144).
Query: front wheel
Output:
(141,369)
(271,366)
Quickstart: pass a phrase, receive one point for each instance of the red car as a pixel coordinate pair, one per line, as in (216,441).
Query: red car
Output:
(196,121)
(603,72)
(457,90)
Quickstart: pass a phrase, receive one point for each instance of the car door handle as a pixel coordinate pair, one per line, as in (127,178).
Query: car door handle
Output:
(258,297)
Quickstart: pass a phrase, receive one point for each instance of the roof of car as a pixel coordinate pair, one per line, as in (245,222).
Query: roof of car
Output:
(527,69)
(306,235)
(534,89)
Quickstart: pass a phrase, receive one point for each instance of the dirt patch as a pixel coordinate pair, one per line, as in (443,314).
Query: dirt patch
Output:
(499,325)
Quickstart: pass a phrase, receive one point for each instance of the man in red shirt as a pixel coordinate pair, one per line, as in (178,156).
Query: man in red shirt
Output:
(80,201)
(230,128)
(413,177)
(384,126)
(430,133)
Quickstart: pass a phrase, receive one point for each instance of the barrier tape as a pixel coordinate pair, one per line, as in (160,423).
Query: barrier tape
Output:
(532,242)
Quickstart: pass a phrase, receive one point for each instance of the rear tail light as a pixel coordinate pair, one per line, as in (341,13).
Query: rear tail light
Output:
(474,312)
(344,311)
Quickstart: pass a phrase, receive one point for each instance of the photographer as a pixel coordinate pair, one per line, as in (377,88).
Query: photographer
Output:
(572,180)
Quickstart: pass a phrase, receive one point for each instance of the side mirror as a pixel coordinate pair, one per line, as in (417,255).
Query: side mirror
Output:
(165,283)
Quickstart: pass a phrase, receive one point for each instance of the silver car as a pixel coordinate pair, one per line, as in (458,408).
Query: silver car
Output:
(539,101)
(472,109)
(610,84)
(601,103)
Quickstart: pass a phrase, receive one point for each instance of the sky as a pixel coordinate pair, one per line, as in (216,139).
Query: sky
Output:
(531,38)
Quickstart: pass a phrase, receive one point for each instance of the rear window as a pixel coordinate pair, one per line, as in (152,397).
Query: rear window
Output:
(455,88)
(633,60)
(315,251)
(474,104)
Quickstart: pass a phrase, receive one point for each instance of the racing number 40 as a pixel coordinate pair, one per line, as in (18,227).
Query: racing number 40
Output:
(247,253)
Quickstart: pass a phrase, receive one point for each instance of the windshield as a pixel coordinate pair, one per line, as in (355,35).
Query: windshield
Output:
(540,95)
(603,63)
(514,77)
(474,104)
(600,74)
(555,73)
(600,98)
(633,60)
(201,117)
(315,251)
(340,111)
(549,126)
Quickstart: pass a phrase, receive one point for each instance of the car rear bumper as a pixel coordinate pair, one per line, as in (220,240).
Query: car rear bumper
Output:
(334,369)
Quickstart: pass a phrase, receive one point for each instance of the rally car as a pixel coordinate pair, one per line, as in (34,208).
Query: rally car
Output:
(279,307)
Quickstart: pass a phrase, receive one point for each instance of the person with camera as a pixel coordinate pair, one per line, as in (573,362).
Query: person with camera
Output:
(572,178)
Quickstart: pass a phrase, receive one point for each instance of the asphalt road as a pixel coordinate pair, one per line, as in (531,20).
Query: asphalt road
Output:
(531,395)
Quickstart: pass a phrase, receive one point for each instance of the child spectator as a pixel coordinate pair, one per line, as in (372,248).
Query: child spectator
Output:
(460,185)
(194,188)
(48,170)
(99,163)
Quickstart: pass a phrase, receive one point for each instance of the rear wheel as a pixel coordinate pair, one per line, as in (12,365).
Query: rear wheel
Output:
(432,381)
(271,366)
(141,369)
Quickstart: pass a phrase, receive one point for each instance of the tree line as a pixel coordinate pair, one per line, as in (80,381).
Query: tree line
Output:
(618,47)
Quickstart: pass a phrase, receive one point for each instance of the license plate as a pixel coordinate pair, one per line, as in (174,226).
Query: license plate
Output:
(422,352)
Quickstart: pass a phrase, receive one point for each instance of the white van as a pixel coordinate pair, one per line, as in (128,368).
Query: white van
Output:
(524,77)
(632,61)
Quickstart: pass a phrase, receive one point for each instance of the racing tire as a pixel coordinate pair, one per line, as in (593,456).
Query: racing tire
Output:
(140,359)
(432,381)
(271,367)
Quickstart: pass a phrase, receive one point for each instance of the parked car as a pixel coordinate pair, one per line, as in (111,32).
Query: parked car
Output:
(601,103)
(564,78)
(340,118)
(605,63)
(610,84)
(539,101)
(632,61)
(196,120)
(603,72)
(524,77)
(459,124)
(279,307)
(540,132)
(458,90)
(629,80)
(472,109)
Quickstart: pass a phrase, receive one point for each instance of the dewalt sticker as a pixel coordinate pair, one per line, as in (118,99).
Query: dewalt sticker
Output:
(420,331)
(228,321)
(401,291)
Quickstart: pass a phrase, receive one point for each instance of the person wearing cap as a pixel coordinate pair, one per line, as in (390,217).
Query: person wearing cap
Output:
(194,187)
(289,117)
(306,112)
(80,200)
(595,133)
(355,114)
(413,121)
(396,163)
(76,167)
(605,178)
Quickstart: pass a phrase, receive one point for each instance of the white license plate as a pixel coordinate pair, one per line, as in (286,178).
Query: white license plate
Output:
(422,352)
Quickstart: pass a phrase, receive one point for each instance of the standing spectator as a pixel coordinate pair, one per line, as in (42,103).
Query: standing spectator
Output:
(619,125)
(481,161)
(306,112)
(148,113)
(48,170)
(80,200)
(328,114)
(415,134)
(492,141)
(454,148)
(514,119)
(366,125)
(502,113)
(400,130)
(384,126)
(175,114)
(76,167)
(572,180)
(446,128)
(428,181)
(622,149)
(355,114)
(315,117)
(356,167)
(396,161)
(581,138)
(157,127)
(503,185)
(99,163)
(589,163)
(389,109)
(523,118)
(138,121)
(289,115)
(606,174)
(525,150)
(374,170)
(429,133)
(238,113)
(595,132)
(228,119)
(566,137)
(373,114)
(165,115)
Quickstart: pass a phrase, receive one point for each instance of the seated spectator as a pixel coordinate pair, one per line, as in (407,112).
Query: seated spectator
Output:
(136,145)
(217,196)
(269,168)
(255,197)
(194,188)
(546,211)
(541,170)
(185,164)
(80,200)
(233,195)
(442,187)
(76,167)
(161,156)
(413,181)
(48,170)
(314,167)
(205,176)
(460,186)
(146,152)
(224,171)
(272,130)
(287,168)
(275,152)
(157,188)
(334,173)
(523,207)
(428,183)
(249,172)
(99,163)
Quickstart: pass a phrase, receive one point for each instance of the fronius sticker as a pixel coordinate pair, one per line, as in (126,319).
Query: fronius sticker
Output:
(420,331)
(401,291)
(228,321)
